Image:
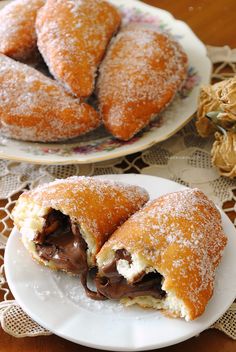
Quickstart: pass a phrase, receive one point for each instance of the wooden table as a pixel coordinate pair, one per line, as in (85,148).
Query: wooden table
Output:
(214,23)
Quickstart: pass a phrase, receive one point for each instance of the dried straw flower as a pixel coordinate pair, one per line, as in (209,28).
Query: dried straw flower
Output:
(219,98)
(224,153)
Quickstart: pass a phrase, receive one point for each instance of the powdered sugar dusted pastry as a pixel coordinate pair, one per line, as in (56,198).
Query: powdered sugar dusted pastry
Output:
(34,107)
(65,223)
(165,255)
(141,73)
(72,37)
(17,28)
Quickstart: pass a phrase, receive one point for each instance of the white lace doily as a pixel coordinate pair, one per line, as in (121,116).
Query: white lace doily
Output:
(184,158)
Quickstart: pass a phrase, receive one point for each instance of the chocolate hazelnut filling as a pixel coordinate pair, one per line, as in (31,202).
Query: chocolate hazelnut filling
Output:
(114,286)
(62,243)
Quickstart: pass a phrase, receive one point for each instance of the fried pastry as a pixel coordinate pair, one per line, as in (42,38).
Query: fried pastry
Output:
(34,107)
(140,75)
(17,28)
(72,38)
(65,223)
(165,255)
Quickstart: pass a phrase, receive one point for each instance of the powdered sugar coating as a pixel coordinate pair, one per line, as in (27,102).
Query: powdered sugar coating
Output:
(180,235)
(17,28)
(97,204)
(72,38)
(33,107)
(140,75)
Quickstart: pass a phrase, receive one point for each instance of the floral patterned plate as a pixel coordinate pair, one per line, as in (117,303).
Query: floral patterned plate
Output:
(100,145)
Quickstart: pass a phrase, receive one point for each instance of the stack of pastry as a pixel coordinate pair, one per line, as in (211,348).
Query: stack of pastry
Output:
(164,256)
(135,72)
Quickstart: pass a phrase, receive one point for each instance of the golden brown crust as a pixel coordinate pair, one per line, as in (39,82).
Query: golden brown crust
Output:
(180,236)
(17,28)
(34,107)
(99,205)
(140,75)
(72,38)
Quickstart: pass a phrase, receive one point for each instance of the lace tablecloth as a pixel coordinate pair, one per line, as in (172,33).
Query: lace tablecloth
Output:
(184,158)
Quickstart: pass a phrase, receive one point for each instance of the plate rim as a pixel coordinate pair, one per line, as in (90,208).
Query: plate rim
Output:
(118,152)
(111,348)
(94,159)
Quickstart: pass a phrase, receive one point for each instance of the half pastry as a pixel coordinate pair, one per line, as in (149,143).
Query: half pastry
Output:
(165,255)
(34,107)
(140,75)
(17,28)
(72,38)
(65,223)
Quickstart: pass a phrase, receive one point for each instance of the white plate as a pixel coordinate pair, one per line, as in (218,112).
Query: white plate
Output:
(57,301)
(99,145)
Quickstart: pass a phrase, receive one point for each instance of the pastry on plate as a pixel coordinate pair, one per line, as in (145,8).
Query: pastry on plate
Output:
(165,255)
(140,75)
(65,223)
(72,38)
(34,107)
(17,28)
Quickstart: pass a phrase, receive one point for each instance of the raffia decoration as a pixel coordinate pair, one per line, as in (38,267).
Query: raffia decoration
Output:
(224,153)
(221,98)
